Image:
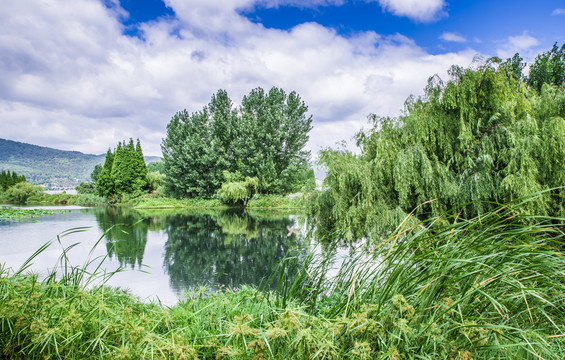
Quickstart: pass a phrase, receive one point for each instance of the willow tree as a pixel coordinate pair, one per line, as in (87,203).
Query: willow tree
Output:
(484,137)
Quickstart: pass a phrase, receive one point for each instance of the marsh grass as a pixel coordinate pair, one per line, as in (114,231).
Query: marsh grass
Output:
(485,288)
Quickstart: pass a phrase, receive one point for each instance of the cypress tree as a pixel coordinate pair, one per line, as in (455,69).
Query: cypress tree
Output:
(104,184)
(117,173)
(140,168)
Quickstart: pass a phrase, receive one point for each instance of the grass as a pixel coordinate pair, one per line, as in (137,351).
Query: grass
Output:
(172,203)
(484,288)
(66,199)
(257,202)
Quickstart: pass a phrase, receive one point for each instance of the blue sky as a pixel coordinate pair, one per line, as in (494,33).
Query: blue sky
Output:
(85,74)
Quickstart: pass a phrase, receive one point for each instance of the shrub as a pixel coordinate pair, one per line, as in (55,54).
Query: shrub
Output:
(20,192)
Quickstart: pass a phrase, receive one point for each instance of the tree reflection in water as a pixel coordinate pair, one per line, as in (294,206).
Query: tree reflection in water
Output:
(229,248)
(125,233)
(203,247)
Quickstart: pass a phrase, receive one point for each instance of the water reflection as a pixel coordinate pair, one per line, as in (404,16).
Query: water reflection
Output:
(125,234)
(202,247)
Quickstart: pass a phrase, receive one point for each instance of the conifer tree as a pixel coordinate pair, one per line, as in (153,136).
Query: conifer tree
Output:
(140,168)
(104,184)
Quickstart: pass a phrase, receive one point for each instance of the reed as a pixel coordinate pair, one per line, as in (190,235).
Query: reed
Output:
(488,287)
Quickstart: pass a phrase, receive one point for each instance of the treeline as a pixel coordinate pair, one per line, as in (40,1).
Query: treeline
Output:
(488,135)
(124,171)
(258,145)
(8,179)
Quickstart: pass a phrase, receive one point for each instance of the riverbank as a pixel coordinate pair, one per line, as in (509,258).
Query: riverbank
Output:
(157,202)
(257,202)
(483,288)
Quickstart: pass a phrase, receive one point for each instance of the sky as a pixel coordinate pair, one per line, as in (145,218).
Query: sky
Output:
(83,75)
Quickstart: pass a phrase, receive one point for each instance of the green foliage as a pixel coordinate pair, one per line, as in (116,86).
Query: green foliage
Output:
(95,173)
(104,183)
(236,191)
(485,288)
(8,179)
(124,171)
(262,201)
(156,166)
(155,179)
(482,138)
(264,138)
(20,192)
(66,199)
(548,68)
(86,188)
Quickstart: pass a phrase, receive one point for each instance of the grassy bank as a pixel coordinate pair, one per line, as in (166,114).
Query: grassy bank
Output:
(257,202)
(486,288)
(66,199)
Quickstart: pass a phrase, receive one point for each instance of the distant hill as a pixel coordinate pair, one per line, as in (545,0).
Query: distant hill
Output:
(51,168)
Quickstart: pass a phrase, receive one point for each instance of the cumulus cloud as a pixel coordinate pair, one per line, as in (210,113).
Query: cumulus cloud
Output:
(523,44)
(558,11)
(72,80)
(452,37)
(418,10)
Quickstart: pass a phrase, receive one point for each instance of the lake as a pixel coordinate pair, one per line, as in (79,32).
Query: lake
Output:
(163,252)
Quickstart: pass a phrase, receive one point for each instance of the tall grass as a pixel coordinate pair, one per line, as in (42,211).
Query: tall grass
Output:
(485,288)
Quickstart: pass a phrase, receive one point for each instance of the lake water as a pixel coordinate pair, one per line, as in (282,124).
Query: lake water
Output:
(164,252)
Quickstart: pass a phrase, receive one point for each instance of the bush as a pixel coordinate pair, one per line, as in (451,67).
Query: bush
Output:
(20,192)
(86,188)
(155,179)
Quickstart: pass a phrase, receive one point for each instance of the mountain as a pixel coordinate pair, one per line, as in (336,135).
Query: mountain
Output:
(51,168)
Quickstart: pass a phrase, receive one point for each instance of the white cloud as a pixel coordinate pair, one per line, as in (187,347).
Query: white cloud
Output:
(523,44)
(558,11)
(418,10)
(452,37)
(71,80)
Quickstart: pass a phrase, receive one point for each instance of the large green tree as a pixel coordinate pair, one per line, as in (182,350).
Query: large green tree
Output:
(483,137)
(264,138)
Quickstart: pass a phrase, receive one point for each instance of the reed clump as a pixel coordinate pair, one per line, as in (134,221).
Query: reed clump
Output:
(485,288)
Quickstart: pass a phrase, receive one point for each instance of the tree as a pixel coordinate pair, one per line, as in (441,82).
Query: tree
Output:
(104,183)
(95,173)
(140,168)
(264,138)
(484,137)
(9,179)
(273,148)
(124,170)
(237,191)
(86,188)
(156,166)
(548,68)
